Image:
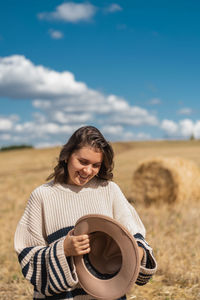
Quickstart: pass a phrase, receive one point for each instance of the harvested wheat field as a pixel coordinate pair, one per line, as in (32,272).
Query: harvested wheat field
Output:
(172,226)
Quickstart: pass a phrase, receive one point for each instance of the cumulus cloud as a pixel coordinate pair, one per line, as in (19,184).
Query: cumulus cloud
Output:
(135,116)
(169,127)
(7,129)
(62,104)
(41,82)
(120,133)
(51,91)
(197,130)
(42,128)
(74,118)
(55,34)
(6,124)
(112,130)
(70,12)
(182,129)
(185,111)
(43,104)
(186,127)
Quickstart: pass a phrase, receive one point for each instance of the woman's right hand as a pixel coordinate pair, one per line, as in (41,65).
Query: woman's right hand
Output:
(76,245)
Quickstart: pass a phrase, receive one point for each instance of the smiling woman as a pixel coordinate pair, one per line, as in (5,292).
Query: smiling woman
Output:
(45,241)
(83,165)
(86,147)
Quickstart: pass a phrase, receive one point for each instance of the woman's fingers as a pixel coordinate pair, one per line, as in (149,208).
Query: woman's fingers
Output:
(76,245)
(82,238)
(81,243)
(82,252)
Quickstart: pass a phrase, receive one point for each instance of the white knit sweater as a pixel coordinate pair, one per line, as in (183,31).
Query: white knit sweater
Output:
(51,212)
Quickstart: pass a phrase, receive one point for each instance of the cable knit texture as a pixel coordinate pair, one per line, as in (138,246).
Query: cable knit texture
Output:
(51,212)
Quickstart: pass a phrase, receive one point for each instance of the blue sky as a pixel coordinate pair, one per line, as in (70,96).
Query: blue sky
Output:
(131,68)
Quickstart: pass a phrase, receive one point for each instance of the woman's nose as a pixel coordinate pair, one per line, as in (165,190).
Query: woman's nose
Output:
(88,169)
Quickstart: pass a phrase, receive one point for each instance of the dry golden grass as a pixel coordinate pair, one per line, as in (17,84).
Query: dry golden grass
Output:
(172,230)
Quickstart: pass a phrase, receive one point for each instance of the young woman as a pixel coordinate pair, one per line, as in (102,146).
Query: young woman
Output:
(80,185)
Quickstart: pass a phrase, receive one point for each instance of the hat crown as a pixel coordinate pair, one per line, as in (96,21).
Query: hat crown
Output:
(105,255)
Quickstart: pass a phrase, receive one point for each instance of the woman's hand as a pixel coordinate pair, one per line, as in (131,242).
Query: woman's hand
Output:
(76,245)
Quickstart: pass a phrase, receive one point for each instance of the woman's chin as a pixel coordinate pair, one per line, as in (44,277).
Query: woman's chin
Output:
(82,182)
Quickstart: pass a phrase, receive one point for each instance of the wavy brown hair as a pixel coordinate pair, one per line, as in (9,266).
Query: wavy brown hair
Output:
(83,137)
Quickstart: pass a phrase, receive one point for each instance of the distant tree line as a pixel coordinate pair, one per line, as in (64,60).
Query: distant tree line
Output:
(15,147)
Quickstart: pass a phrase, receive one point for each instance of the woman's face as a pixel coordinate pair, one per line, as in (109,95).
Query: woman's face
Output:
(83,165)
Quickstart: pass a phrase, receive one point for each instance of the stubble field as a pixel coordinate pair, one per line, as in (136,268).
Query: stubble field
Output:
(172,230)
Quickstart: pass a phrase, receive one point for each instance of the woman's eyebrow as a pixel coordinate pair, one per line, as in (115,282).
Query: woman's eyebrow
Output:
(88,161)
(82,158)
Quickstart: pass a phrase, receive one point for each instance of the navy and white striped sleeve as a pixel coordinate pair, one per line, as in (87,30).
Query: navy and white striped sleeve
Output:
(148,265)
(45,266)
(126,214)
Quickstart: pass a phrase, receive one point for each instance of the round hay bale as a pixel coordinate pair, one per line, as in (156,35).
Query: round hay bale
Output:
(166,179)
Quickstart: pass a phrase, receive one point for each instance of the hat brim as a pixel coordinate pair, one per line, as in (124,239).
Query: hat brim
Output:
(121,283)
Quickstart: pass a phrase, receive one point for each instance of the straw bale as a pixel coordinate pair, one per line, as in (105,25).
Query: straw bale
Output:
(166,179)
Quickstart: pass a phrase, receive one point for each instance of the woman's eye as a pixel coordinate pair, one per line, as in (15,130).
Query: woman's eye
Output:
(83,162)
(97,166)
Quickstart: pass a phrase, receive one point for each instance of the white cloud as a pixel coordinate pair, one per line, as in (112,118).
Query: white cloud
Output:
(43,104)
(59,91)
(186,127)
(185,111)
(112,130)
(119,133)
(41,82)
(5,124)
(182,129)
(197,130)
(42,128)
(39,118)
(56,34)
(113,8)
(63,118)
(135,116)
(117,103)
(62,104)
(169,127)
(70,12)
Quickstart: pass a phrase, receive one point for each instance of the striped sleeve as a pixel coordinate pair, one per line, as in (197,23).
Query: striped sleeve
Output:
(46,267)
(148,264)
(125,213)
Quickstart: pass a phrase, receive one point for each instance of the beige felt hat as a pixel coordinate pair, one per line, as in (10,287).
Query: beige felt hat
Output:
(112,266)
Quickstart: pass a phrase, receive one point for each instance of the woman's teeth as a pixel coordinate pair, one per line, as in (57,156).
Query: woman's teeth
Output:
(83,177)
